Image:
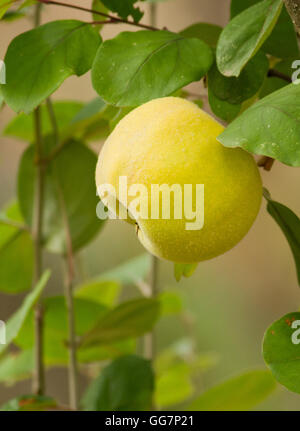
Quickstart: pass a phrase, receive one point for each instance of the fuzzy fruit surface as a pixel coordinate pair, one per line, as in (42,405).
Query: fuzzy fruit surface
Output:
(172,141)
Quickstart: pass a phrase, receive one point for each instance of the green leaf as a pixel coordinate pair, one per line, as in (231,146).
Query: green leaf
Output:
(38,61)
(16,250)
(87,313)
(26,403)
(281,354)
(22,125)
(136,67)
(289,223)
(236,90)
(282,42)
(244,35)
(259,129)
(104,292)
(124,8)
(16,321)
(239,393)
(129,272)
(174,386)
(70,193)
(125,384)
(222,109)
(209,33)
(130,319)
(184,270)
(16,366)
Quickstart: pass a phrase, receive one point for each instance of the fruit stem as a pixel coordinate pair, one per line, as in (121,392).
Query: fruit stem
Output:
(38,381)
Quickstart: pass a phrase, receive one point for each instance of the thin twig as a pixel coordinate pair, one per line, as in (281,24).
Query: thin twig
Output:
(69,280)
(39,372)
(112,18)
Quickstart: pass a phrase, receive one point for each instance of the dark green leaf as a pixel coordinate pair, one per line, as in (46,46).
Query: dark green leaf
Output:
(281,353)
(236,90)
(209,33)
(124,8)
(136,67)
(125,384)
(16,321)
(260,130)
(244,35)
(222,109)
(239,393)
(289,223)
(16,250)
(70,193)
(130,319)
(38,61)
(27,403)
(22,125)
(184,270)
(282,42)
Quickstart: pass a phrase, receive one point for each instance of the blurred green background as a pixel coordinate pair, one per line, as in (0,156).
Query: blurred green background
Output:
(229,301)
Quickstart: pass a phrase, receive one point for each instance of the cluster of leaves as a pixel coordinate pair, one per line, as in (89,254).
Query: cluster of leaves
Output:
(126,71)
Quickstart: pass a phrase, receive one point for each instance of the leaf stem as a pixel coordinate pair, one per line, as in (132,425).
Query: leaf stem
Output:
(277,74)
(111,18)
